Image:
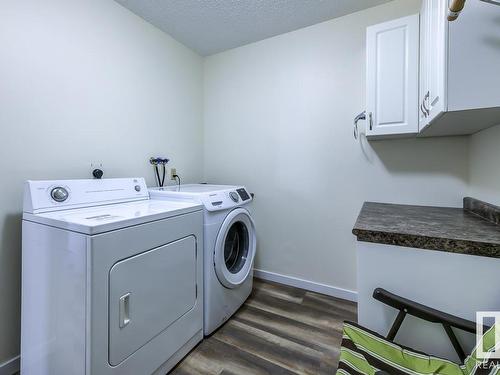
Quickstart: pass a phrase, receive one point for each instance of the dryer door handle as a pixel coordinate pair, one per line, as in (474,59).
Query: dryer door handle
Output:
(124,310)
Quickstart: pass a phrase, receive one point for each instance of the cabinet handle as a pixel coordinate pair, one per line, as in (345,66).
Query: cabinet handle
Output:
(426,97)
(422,109)
(427,113)
(371,121)
(124,310)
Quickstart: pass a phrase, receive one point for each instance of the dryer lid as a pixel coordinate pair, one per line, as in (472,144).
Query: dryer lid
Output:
(95,220)
(96,206)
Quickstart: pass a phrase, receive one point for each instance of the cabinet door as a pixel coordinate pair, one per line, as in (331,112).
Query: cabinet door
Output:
(423,114)
(437,27)
(392,77)
(473,79)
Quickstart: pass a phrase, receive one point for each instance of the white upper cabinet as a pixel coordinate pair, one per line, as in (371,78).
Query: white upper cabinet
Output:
(392,78)
(432,98)
(459,89)
(434,77)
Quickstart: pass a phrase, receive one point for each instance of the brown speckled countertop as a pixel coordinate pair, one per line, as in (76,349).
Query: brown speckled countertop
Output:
(465,231)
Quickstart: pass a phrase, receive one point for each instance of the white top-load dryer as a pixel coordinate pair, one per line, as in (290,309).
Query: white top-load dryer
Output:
(229,245)
(111,280)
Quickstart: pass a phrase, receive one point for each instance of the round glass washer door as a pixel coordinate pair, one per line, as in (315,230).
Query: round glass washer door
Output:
(235,248)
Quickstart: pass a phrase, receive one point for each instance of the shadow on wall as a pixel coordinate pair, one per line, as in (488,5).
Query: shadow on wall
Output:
(10,247)
(494,40)
(438,155)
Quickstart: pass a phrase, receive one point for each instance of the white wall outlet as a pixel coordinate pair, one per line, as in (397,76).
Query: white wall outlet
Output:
(173,172)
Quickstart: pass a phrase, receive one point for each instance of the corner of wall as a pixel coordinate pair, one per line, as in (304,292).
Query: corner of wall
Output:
(484,165)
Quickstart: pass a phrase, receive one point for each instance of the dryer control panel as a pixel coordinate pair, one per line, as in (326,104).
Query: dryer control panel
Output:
(46,196)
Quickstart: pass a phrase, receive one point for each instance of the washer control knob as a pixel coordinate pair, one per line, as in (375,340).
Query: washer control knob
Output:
(59,194)
(234,196)
(137,188)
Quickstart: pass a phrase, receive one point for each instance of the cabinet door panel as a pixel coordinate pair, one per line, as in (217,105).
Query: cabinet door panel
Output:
(474,58)
(437,50)
(392,77)
(424,64)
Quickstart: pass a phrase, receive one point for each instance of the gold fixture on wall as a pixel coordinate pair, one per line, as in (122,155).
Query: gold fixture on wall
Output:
(456,6)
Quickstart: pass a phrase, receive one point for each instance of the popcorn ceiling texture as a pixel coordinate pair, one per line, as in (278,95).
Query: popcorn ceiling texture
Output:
(212,26)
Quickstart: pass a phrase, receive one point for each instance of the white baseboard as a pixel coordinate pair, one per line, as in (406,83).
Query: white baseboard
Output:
(312,286)
(11,366)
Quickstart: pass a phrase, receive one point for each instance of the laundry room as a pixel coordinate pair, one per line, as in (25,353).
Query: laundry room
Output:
(249,187)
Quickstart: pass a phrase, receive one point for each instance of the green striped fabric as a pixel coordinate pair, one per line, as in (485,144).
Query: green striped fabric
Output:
(366,352)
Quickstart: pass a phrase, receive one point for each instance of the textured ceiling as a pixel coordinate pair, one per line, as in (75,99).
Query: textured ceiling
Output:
(211,26)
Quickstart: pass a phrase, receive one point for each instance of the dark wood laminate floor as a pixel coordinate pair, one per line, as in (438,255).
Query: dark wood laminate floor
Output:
(279,330)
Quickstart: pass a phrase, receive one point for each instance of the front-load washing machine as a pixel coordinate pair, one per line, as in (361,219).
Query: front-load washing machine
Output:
(229,246)
(111,280)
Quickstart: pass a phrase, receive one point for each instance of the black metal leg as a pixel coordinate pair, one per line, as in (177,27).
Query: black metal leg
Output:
(395,326)
(454,342)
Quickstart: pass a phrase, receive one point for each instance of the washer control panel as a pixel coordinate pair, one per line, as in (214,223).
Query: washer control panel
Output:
(243,194)
(213,197)
(224,199)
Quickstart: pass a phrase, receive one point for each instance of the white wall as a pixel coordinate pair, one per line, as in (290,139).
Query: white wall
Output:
(103,85)
(278,119)
(484,167)
(84,81)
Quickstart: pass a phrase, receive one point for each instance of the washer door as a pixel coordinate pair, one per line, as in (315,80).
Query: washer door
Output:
(235,248)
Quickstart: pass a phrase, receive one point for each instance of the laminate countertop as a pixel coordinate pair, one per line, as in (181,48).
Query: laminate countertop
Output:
(473,229)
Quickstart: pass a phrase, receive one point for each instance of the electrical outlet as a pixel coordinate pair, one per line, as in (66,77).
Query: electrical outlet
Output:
(173,172)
